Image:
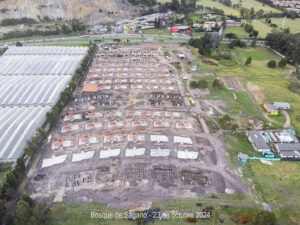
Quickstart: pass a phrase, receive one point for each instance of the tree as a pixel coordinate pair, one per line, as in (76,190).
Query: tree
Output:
(263,217)
(108,28)
(19,44)
(10,211)
(2,209)
(58,213)
(20,167)
(27,198)
(217,84)
(52,117)
(193,84)
(65,96)
(11,179)
(23,213)
(248,60)
(272,64)
(65,29)
(231,44)
(202,84)
(253,43)
(255,33)
(40,214)
(282,63)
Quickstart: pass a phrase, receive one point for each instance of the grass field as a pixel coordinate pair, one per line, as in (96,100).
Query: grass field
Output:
(262,28)
(238,31)
(157,31)
(80,214)
(294,25)
(227,10)
(256,5)
(272,82)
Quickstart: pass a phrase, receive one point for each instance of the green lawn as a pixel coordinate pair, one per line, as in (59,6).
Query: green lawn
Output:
(230,11)
(279,186)
(262,28)
(157,31)
(256,5)
(238,31)
(227,10)
(294,25)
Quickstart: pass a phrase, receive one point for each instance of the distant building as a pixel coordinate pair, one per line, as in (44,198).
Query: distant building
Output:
(197,25)
(272,109)
(232,23)
(288,150)
(282,105)
(181,29)
(209,25)
(258,141)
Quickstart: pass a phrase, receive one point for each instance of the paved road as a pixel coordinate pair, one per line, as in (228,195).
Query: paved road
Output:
(147,38)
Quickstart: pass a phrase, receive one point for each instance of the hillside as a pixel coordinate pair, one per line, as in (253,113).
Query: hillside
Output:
(66,9)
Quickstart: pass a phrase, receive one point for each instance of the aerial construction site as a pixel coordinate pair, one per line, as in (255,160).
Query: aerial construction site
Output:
(128,138)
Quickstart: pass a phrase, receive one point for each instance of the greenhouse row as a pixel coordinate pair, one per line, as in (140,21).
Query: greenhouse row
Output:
(39,65)
(31,90)
(31,80)
(49,50)
(18,124)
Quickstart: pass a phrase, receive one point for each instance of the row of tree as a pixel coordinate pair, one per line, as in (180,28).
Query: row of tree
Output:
(250,29)
(143,2)
(285,43)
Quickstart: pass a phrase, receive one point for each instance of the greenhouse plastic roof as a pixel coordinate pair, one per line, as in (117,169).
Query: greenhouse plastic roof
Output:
(18,124)
(31,90)
(49,50)
(39,65)
(31,80)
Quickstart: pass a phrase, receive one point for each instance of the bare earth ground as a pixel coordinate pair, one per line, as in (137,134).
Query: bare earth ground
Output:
(233,83)
(256,93)
(132,182)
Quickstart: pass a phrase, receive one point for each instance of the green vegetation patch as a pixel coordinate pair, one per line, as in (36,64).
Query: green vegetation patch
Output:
(238,31)
(4,168)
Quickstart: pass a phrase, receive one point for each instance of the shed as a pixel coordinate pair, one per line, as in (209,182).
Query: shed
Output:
(258,141)
(282,105)
(272,109)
